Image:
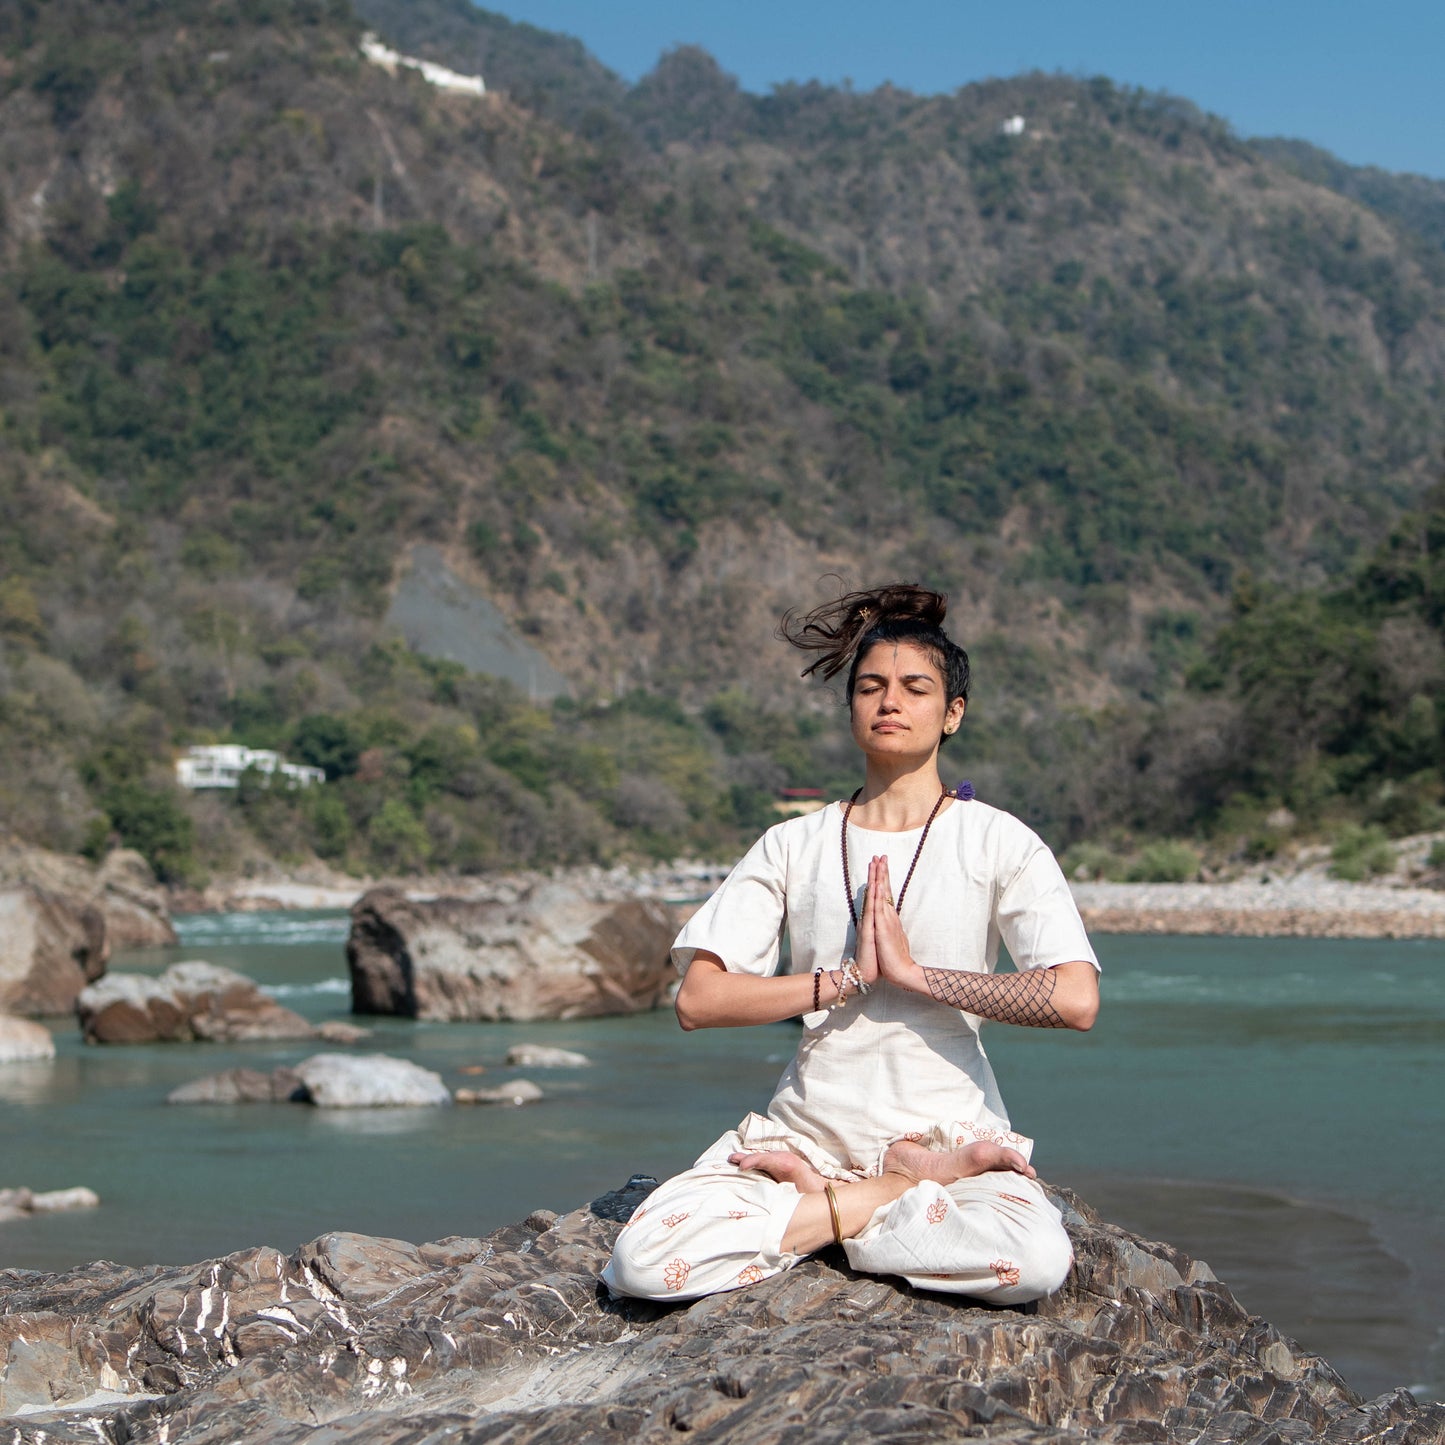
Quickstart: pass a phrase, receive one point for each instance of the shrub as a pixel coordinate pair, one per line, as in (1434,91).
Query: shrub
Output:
(1360,853)
(1164,863)
(153,822)
(399,839)
(1087,862)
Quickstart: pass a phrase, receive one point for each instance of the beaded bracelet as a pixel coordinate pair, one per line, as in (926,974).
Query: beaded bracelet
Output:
(838,980)
(817,980)
(850,972)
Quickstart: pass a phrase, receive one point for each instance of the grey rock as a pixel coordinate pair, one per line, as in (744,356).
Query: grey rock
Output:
(50,948)
(59,1201)
(191,1000)
(22,1041)
(554,953)
(369,1081)
(242,1086)
(511,1339)
(519,1091)
(543,1056)
(337,1031)
(18,1203)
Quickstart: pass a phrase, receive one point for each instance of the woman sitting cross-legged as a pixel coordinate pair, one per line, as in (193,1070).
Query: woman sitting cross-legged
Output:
(886,1133)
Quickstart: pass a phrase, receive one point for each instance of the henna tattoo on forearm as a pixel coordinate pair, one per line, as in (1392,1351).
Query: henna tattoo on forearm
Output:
(1009,998)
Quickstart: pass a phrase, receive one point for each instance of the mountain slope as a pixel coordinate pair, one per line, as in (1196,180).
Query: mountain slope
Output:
(643,365)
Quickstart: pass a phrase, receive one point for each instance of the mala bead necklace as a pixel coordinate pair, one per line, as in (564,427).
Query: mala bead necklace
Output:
(963,792)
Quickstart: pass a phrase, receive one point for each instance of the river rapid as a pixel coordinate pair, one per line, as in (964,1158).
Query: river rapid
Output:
(1274,1106)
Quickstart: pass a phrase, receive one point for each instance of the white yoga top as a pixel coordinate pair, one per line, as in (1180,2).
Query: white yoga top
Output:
(893,1063)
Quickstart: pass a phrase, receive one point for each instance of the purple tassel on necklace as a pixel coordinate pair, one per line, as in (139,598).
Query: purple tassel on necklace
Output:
(964,791)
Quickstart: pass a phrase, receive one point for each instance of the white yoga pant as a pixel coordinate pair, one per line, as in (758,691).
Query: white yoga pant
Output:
(716,1227)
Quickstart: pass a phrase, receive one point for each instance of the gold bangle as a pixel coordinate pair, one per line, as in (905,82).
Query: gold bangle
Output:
(833,1210)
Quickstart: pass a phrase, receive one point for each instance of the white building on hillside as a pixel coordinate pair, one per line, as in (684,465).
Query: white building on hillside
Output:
(220,765)
(438,75)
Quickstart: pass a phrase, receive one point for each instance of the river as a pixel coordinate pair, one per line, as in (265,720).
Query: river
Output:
(1276,1107)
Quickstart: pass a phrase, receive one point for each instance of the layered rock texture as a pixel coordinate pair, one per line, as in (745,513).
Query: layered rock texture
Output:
(192,1000)
(511,1338)
(553,954)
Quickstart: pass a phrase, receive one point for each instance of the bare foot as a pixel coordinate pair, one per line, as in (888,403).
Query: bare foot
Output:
(784,1166)
(917,1162)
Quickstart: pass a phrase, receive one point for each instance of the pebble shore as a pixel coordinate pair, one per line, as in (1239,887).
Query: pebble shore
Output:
(1303,907)
(1309,904)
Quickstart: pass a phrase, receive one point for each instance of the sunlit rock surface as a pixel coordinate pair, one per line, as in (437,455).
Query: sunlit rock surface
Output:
(50,948)
(192,1000)
(553,954)
(22,1041)
(510,1338)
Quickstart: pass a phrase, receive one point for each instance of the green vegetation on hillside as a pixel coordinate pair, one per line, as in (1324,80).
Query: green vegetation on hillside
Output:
(1139,400)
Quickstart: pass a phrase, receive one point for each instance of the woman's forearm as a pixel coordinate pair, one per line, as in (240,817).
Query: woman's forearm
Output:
(1064,997)
(713,998)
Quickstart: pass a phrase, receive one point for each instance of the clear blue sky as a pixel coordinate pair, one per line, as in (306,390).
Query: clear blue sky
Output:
(1364,80)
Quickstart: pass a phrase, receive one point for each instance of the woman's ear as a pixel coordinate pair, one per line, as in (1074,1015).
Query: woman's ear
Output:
(953,718)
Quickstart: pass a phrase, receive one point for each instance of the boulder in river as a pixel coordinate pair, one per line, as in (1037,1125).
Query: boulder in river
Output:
(543,1056)
(554,954)
(122,889)
(242,1086)
(329,1081)
(510,1338)
(369,1081)
(519,1091)
(49,950)
(21,1040)
(20,1203)
(192,1000)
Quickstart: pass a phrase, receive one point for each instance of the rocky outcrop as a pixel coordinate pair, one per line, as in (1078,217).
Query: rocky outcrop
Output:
(134,904)
(193,1000)
(553,954)
(49,950)
(511,1339)
(22,1041)
(122,889)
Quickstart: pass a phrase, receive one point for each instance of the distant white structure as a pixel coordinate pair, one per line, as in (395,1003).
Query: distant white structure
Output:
(1014,125)
(220,765)
(438,75)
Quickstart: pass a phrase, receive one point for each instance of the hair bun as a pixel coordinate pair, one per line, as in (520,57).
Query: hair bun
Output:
(835,629)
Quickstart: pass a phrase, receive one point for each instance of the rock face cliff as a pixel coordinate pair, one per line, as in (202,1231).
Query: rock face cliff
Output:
(511,1338)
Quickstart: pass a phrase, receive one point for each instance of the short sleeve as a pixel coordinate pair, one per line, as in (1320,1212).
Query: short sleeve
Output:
(1038,919)
(742,923)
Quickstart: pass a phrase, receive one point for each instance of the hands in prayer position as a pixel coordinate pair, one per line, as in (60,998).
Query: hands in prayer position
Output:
(1066,996)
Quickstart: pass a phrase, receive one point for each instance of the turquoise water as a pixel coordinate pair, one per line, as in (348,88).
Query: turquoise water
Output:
(1275,1106)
